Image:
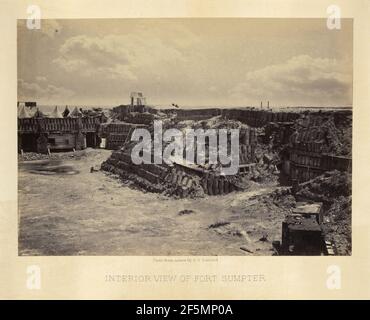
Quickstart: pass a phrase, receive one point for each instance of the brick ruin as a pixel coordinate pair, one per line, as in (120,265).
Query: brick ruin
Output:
(297,147)
(181,178)
(299,144)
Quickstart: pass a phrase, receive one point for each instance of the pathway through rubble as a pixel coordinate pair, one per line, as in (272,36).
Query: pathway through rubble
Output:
(92,213)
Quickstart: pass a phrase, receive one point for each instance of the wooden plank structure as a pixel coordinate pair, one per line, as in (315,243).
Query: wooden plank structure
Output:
(43,134)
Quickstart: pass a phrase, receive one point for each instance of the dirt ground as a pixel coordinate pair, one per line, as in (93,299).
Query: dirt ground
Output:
(71,211)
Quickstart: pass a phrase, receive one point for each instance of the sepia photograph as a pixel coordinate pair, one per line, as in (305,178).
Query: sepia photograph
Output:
(184,137)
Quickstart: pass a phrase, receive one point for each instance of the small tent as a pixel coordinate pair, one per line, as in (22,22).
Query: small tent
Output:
(56,113)
(75,113)
(39,114)
(66,112)
(23,113)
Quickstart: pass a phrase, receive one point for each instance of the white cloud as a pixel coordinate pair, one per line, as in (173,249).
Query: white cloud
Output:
(129,57)
(41,79)
(190,62)
(45,92)
(300,80)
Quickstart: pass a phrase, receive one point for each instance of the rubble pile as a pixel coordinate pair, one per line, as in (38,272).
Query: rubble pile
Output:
(263,152)
(184,179)
(145,176)
(168,180)
(333,189)
(157,178)
(338,230)
(32,156)
(310,145)
(248,137)
(320,133)
(266,164)
(146,118)
(326,188)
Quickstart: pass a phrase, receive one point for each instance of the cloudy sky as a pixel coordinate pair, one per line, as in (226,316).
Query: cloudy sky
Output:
(191,62)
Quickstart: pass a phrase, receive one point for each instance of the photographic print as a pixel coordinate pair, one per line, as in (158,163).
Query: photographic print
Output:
(184,137)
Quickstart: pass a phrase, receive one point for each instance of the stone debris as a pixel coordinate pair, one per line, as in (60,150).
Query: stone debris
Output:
(31,156)
(298,156)
(185,212)
(326,188)
(182,180)
(264,238)
(308,150)
(246,249)
(218,224)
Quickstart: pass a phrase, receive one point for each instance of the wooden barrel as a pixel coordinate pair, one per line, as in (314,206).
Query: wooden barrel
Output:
(226,187)
(221,185)
(205,185)
(215,186)
(210,185)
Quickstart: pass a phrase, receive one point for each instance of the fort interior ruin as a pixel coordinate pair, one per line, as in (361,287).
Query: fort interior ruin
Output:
(301,151)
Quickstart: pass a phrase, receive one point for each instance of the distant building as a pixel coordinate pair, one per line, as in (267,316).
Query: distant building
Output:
(137,99)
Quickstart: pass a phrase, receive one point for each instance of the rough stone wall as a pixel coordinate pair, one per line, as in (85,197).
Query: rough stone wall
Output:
(307,142)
